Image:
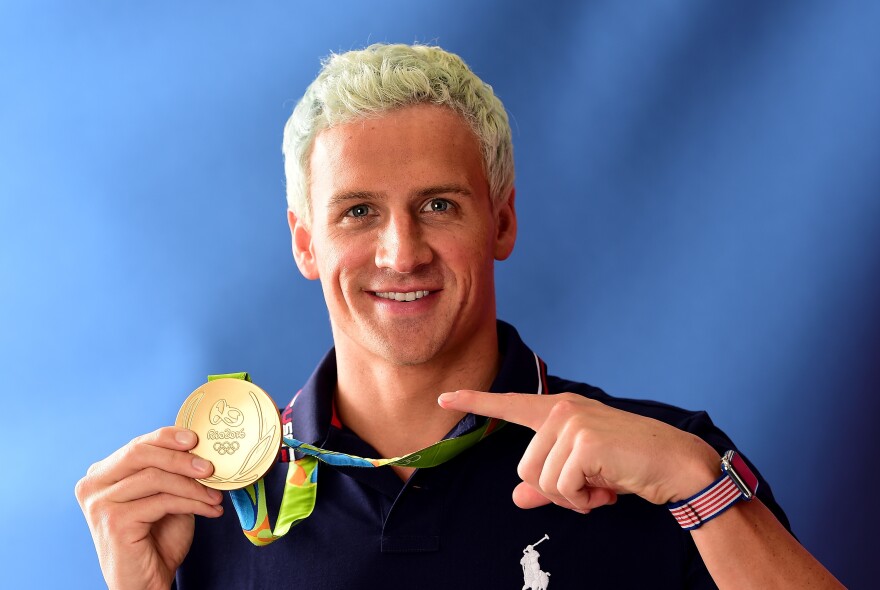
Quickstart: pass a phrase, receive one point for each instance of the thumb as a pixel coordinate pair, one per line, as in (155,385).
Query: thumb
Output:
(525,496)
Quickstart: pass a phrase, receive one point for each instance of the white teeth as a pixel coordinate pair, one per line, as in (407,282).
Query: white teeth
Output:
(409,296)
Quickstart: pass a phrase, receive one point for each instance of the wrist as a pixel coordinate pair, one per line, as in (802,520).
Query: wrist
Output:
(699,470)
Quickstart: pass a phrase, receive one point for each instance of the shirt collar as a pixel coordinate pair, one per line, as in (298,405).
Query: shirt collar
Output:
(520,371)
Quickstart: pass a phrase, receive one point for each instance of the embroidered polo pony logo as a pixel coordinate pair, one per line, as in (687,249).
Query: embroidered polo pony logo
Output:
(533,577)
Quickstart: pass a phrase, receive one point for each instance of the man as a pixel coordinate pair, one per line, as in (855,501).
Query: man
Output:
(400,193)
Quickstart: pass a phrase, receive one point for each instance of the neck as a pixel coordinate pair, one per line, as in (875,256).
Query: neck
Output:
(394,407)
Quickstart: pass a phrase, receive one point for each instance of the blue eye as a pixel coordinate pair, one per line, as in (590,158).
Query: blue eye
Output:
(438,205)
(359,211)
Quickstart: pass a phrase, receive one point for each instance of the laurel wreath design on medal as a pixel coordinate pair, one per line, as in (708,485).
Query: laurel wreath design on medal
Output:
(239,431)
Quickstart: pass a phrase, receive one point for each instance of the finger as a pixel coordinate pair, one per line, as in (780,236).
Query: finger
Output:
(165,448)
(582,483)
(562,482)
(131,521)
(556,460)
(531,466)
(525,409)
(154,508)
(152,481)
(574,486)
(525,496)
(602,497)
(571,483)
(169,437)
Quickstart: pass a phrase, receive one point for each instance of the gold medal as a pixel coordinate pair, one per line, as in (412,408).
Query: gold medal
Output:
(239,431)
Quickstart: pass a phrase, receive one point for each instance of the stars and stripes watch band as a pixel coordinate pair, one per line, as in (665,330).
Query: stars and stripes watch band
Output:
(737,482)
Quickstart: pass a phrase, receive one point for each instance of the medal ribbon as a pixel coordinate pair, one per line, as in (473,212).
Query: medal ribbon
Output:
(301,484)
(431,456)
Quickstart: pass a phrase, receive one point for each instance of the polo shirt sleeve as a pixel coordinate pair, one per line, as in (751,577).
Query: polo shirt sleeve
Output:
(700,424)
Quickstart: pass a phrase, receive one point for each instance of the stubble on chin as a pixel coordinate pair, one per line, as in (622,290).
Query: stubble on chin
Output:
(405,344)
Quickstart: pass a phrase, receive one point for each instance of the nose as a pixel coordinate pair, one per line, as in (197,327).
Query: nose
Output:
(401,245)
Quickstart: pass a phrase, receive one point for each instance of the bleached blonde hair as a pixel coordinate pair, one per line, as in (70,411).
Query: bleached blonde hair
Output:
(380,78)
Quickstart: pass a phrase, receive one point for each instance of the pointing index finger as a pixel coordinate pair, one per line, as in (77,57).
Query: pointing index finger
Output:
(524,409)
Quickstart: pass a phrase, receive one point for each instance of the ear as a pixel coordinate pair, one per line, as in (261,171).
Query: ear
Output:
(505,227)
(301,240)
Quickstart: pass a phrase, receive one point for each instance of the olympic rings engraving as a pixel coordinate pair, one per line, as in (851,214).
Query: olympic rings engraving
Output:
(226,448)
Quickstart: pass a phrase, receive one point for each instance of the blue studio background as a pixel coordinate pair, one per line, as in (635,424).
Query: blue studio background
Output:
(698,195)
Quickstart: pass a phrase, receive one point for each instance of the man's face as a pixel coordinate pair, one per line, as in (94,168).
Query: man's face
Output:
(403,234)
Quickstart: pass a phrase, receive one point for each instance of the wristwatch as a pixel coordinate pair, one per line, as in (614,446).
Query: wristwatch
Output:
(737,482)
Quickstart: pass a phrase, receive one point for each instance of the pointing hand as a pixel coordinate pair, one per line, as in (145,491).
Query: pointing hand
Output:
(584,452)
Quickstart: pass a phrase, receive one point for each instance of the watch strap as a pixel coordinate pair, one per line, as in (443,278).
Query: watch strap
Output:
(737,482)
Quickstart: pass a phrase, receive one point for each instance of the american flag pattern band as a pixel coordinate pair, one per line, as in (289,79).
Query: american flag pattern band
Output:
(737,482)
(707,504)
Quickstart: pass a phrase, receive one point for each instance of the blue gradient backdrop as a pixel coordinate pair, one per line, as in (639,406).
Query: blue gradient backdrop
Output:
(699,202)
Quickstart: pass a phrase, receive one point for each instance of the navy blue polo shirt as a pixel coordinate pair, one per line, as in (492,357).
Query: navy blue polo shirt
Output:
(455,525)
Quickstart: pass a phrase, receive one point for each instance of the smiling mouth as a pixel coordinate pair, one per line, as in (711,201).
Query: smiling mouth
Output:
(396,296)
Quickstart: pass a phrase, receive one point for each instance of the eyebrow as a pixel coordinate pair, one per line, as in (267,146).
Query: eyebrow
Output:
(347,196)
(442,189)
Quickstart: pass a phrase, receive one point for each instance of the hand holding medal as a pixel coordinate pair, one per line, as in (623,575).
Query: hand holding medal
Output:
(140,504)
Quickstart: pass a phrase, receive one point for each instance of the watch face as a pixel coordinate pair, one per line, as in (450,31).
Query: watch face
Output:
(740,473)
(239,431)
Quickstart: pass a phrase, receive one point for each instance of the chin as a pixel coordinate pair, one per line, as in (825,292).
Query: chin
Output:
(404,355)
(405,350)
